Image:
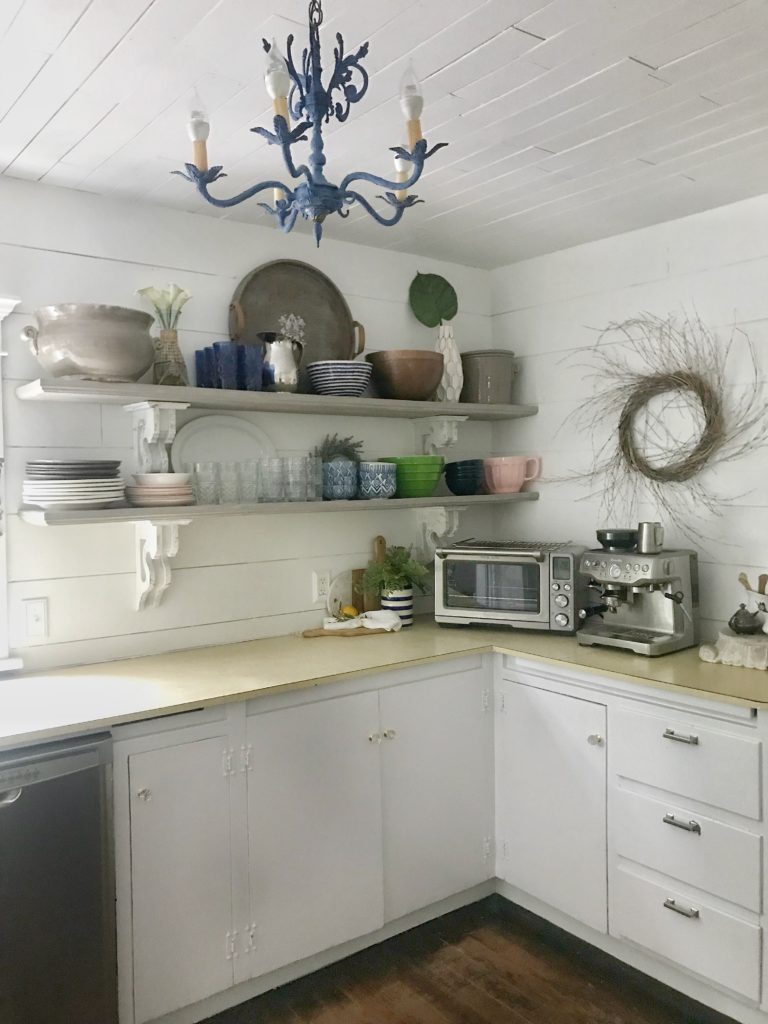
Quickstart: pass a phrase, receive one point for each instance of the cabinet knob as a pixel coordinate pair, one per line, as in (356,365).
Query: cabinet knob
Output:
(144,794)
(389,734)
(595,739)
(374,737)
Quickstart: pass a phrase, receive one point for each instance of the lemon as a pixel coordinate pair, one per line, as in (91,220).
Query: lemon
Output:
(349,612)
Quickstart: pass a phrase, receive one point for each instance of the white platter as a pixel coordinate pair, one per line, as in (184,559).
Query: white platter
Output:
(219,439)
(152,480)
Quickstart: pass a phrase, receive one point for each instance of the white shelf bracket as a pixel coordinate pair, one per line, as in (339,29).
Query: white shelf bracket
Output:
(156,545)
(437,526)
(154,428)
(440,432)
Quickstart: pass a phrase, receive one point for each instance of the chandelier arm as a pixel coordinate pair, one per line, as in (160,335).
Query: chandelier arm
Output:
(352,196)
(341,79)
(374,179)
(202,188)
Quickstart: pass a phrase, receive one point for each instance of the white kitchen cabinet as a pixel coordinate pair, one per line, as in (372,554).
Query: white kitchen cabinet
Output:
(180,863)
(437,777)
(551,799)
(314,823)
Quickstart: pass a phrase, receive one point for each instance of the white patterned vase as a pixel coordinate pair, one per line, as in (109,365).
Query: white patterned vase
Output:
(400,601)
(449,388)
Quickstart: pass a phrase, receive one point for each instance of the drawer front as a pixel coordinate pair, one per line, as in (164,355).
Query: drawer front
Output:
(687,756)
(688,846)
(723,949)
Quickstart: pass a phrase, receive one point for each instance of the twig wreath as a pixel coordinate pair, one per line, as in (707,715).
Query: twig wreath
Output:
(663,382)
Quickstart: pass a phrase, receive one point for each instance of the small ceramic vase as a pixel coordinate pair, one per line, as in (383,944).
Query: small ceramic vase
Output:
(377,480)
(452,381)
(339,480)
(744,622)
(400,601)
(169,362)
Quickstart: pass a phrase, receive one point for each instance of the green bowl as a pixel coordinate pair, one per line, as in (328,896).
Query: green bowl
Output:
(417,475)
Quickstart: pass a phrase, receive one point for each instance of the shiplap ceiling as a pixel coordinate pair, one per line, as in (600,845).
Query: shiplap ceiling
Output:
(568,120)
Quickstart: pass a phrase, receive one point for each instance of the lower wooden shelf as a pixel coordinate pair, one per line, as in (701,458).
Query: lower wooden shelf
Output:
(189,513)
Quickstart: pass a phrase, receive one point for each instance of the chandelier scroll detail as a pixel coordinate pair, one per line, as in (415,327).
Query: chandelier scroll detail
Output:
(300,96)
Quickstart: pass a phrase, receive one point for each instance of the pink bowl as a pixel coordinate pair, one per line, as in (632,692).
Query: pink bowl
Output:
(507,474)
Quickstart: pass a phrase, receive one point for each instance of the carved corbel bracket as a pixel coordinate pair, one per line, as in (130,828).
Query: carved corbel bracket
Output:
(154,428)
(156,545)
(440,432)
(438,525)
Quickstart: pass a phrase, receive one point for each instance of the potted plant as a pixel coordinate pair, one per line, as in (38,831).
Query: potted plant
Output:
(167,304)
(340,457)
(434,302)
(395,577)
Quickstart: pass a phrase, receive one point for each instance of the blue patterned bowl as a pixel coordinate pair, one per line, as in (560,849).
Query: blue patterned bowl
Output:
(377,480)
(339,480)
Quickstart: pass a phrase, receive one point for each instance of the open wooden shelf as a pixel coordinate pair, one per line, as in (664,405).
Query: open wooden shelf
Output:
(176,513)
(260,401)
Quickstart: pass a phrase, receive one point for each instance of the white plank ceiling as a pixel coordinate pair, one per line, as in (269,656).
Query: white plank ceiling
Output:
(568,120)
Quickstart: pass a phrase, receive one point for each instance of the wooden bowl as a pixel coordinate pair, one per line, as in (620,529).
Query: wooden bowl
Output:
(410,374)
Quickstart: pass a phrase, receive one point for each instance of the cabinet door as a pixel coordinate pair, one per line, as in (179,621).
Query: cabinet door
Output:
(437,772)
(551,798)
(314,823)
(181,875)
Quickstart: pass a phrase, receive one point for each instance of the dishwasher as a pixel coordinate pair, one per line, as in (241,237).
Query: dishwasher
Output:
(57,888)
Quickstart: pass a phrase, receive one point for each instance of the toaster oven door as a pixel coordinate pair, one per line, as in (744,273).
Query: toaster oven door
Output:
(498,588)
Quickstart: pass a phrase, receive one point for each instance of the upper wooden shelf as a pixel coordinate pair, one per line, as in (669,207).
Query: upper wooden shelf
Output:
(261,401)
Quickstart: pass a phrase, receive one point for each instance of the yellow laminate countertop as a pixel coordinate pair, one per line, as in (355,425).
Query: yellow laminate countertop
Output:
(36,708)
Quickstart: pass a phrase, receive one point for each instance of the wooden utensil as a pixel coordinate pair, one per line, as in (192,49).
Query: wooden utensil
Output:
(357,631)
(762,582)
(744,581)
(372,598)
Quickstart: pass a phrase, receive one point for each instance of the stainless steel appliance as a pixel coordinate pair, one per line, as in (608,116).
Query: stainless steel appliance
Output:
(522,584)
(646,603)
(57,895)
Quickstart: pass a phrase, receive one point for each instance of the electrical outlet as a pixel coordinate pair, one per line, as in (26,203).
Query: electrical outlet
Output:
(36,618)
(321,585)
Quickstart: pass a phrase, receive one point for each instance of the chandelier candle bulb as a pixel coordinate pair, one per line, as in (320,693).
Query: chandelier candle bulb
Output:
(411,104)
(199,129)
(277,80)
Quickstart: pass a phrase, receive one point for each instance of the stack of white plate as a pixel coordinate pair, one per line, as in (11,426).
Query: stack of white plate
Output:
(339,377)
(68,484)
(156,490)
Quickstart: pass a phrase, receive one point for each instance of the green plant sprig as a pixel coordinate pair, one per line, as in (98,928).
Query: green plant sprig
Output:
(335,447)
(398,571)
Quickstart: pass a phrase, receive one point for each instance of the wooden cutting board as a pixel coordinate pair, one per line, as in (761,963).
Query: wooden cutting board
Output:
(357,631)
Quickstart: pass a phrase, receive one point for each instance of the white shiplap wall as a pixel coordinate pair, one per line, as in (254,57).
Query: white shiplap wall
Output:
(233,579)
(547,310)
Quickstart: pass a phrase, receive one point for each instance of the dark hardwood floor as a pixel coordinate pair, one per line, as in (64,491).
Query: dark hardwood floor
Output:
(490,963)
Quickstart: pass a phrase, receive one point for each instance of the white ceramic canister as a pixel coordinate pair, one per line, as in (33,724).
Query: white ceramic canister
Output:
(400,601)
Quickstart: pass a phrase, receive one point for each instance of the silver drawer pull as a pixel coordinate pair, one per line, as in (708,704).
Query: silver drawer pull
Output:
(687,826)
(671,904)
(679,737)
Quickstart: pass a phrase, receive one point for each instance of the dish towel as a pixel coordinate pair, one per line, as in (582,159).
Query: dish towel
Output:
(390,621)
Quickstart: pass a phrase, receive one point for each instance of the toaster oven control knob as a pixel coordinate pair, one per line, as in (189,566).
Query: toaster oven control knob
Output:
(555,586)
(561,620)
(561,601)
(615,570)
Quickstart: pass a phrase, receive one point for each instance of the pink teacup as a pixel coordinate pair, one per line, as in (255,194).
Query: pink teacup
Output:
(507,474)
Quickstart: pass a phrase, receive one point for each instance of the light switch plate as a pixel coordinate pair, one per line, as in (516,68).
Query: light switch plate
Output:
(36,618)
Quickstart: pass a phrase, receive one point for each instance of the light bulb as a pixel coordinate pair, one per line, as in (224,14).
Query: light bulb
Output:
(198,125)
(411,96)
(276,76)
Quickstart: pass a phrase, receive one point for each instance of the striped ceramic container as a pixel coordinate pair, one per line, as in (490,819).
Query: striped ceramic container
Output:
(400,601)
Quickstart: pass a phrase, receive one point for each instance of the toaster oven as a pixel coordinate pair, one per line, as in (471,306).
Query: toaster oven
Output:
(520,584)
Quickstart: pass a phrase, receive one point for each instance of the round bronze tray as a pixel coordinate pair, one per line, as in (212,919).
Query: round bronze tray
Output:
(289,286)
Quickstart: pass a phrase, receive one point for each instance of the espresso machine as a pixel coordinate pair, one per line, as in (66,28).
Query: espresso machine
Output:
(645,598)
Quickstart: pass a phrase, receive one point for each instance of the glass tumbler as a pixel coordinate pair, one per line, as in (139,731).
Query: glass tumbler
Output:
(249,482)
(314,478)
(271,486)
(205,482)
(229,483)
(296,477)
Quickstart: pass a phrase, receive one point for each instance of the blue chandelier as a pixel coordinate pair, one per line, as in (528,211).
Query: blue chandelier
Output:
(302,97)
